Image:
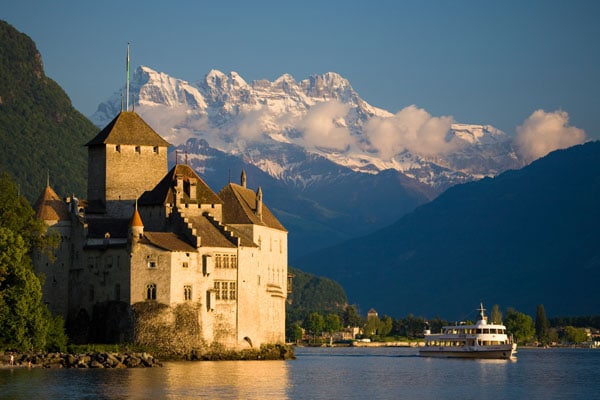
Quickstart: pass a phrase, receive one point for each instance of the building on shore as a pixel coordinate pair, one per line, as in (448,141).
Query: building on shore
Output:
(155,254)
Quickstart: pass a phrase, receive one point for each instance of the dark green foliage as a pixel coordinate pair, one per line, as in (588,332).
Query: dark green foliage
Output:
(541,324)
(589,321)
(40,131)
(25,322)
(520,325)
(311,293)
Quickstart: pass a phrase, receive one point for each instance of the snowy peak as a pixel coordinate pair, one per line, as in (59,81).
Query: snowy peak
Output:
(321,115)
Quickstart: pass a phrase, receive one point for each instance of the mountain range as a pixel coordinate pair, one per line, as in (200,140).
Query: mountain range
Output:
(523,238)
(331,165)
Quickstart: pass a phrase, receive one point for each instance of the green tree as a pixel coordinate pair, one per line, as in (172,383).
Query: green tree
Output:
(385,326)
(496,315)
(351,317)
(541,324)
(372,326)
(575,335)
(294,332)
(519,324)
(332,323)
(25,321)
(314,323)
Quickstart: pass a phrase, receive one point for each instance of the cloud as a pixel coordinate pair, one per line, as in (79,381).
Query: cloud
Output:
(544,132)
(171,122)
(324,126)
(253,125)
(412,129)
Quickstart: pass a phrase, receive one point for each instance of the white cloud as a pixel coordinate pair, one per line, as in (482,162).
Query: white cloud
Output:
(412,129)
(543,132)
(169,122)
(324,126)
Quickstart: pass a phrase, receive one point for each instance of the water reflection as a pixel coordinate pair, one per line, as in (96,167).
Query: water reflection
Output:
(223,379)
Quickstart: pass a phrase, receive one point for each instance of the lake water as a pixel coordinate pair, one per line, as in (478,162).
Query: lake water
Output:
(327,373)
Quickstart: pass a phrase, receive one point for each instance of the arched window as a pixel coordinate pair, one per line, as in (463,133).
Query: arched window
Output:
(151,291)
(187,292)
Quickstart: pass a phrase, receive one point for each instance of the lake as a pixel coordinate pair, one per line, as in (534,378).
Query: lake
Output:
(327,373)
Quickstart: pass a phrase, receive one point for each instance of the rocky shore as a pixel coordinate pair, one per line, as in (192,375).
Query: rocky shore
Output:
(84,360)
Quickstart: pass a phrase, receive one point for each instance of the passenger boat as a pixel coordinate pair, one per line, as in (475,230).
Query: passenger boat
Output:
(479,340)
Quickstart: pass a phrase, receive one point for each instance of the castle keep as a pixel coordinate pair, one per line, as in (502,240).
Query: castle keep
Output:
(152,247)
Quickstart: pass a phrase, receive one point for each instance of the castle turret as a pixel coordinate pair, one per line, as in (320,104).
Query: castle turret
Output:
(136,227)
(243,179)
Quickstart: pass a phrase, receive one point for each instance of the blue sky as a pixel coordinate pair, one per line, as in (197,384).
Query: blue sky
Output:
(488,62)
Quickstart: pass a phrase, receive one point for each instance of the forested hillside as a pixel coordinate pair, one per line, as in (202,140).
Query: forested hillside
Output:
(41,133)
(523,238)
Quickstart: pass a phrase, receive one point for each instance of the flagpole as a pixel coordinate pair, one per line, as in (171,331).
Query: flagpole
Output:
(127,85)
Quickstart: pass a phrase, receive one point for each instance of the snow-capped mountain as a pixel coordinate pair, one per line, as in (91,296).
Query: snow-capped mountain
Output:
(268,123)
(331,166)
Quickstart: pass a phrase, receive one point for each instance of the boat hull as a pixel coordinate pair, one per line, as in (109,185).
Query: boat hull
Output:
(497,352)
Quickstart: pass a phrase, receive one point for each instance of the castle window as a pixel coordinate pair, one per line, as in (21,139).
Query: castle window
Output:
(151,264)
(151,291)
(233,261)
(218,260)
(225,290)
(155,149)
(185,264)
(225,260)
(138,149)
(217,290)
(187,292)
(118,148)
(232,291)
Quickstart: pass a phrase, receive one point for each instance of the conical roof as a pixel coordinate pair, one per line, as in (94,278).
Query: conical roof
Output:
(50,207)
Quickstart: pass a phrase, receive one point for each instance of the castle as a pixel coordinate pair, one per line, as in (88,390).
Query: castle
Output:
(149,238)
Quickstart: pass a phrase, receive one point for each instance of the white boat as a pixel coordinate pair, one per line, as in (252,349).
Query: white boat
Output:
(479,340)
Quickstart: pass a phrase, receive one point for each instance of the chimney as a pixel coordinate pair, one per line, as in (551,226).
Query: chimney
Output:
(259,203)
(243,179)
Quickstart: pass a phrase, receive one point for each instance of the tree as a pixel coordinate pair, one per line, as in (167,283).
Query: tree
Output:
(332,323)
(372,326)
(496,315)
(519,324)
(385,326)
(351,317)
(574,335)
(541,324)
(314,323)
(294,333)
(25,321)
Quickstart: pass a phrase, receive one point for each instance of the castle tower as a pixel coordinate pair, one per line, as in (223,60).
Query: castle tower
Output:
(124,160)
(136,227)
(55,213)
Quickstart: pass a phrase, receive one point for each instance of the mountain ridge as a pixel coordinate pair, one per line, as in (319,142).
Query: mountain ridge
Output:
(523,238)
(321,115)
